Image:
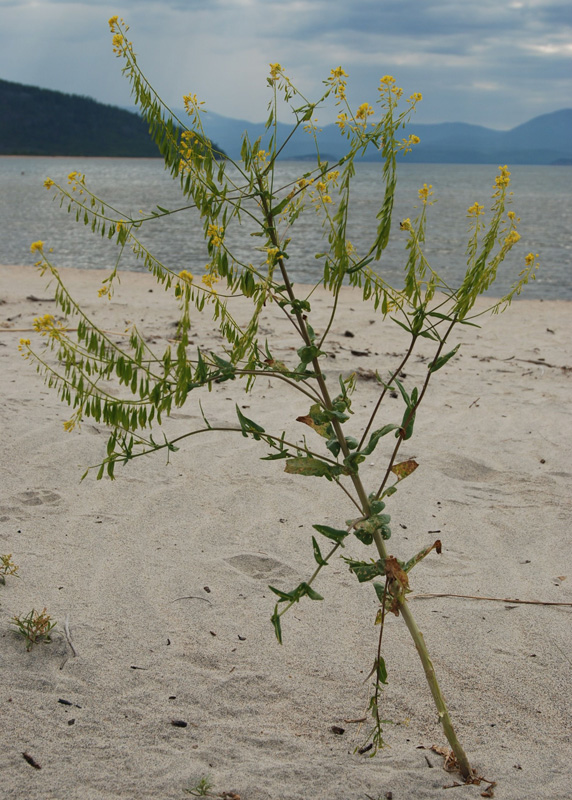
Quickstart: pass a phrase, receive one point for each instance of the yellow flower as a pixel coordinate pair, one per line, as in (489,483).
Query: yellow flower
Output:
(262,155)
(406,225)
(504,178)
(407,144)
(475,210)
(48,183)
(210,278)
(416,97)
(186,276)
(117,43)
(530,259)
(342,120)
(321,187)
(387,80)
(333,175)
(113,22)
(215,234)
(512,238)
(337,73)
(364,111)
(72,176)
(275,70)
(37,247)
(271,255)
(425,193)
(192,103)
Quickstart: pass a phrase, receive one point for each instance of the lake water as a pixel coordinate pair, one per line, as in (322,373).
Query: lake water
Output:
(542,199)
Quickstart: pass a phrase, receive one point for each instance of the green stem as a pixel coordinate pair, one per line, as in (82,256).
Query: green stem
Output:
(429,670)
(442,710)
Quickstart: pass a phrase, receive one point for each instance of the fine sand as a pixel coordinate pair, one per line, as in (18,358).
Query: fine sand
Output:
(161,577)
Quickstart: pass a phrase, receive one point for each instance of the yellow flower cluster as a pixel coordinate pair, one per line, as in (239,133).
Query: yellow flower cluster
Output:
(336,78)
(215,234)
(504,178)
(117,42)
(512,238)
(192,103)
(425,193)
(47,326)
(210,278)
(407,144)
(342,120)
(530,259)
(271,253)
(416,97)
(262,156)
(475,210)
(23,347)
(275,70)
(186,276)
(48,183)
(406,225)
(364,111)
(37,247)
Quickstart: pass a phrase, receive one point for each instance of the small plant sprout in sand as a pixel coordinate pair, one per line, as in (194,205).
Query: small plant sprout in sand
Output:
(35,627)
(7,567)
(244,202)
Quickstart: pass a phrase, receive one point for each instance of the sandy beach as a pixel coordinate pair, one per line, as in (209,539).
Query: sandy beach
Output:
(160,578)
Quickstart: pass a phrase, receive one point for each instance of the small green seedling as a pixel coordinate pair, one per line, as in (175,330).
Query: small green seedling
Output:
(202,788)
(7,567)
(34,627)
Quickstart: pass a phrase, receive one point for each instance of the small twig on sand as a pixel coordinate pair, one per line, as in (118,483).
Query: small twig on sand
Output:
(192,597)
(67,634)
(496,599)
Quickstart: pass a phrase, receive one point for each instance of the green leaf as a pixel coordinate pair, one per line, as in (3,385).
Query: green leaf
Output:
(289,596)
(276,456)
(317,553)
(442,360)
(379,590)
(313,467)
(381,670)
(404,469)
(280,207)
(318,420)
(309,592)
(248,426)
(308,353)
(275,620)
(375,437)
(366,570)
(335,534)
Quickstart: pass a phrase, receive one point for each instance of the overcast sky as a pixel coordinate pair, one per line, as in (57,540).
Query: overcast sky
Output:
(492,62)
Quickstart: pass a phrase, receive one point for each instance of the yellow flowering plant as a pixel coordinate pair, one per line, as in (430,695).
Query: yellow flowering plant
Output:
(224,193)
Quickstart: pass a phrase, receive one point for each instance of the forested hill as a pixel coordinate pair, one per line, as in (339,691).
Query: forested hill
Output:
(41,122)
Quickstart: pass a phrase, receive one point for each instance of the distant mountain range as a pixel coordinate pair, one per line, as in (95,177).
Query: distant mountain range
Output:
(546,139)
(36,121)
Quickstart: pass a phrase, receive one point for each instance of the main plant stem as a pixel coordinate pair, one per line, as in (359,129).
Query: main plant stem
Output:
(421,647)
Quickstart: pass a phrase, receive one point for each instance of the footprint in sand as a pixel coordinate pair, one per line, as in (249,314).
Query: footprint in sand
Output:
(31,497)
(259,566)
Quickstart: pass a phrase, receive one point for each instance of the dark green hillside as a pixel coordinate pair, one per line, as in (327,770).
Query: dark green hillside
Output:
(41,122)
